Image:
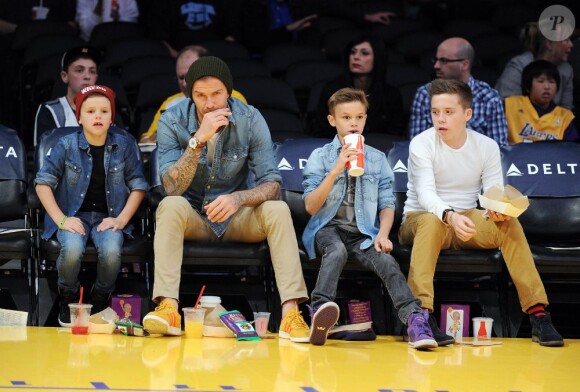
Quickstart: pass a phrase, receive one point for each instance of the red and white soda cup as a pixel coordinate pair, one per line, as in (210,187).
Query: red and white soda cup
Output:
(356,167)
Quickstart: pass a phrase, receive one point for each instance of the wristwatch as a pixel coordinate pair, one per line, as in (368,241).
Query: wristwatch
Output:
(445,214)
(196,144)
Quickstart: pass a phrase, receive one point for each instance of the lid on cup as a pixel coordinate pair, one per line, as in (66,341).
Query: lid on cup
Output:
(210,301)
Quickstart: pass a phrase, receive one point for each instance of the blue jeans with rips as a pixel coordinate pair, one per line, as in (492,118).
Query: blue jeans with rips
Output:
(72,248)
(336,246)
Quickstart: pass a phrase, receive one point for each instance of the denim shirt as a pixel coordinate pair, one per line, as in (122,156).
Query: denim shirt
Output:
(373,192)
(244,146)
(68,167)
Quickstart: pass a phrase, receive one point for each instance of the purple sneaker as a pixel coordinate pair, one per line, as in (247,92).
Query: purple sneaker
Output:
(323,319)
(420,335)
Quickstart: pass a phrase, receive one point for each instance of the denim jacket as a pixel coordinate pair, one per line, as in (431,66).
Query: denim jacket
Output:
(243,146)
(373,192)
(68,167)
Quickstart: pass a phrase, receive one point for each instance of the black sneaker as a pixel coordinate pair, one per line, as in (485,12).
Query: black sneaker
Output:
(441,338)
(100,301)
(544,333)
(65,298)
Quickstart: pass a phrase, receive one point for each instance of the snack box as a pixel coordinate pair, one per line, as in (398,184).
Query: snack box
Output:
(508,201)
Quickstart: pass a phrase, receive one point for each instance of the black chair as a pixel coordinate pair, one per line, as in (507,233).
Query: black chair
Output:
(27,32)
(278,57)
(333,42)
(243,68)
(227,50)
(303,75)
(152,92)
(268,93)
(469,28)
(397,28)
(105,33)
(283,124)
(547,172)
(475,276)
(413,44)
(136,253)
(16,236)
(223,268)
(120,51)
(292,156)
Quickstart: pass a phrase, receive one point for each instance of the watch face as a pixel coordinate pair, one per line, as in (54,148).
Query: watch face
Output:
(193,142)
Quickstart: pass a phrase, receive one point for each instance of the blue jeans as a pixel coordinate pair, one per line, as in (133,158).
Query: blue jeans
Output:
(72,248)
(337,246)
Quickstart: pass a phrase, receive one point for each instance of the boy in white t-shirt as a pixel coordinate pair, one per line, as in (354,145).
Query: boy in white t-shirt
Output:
(440,210)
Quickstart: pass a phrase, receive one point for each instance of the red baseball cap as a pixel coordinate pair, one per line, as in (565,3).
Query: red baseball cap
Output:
(92,90)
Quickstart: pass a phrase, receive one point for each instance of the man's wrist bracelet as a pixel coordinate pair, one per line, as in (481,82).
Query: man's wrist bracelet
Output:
(61,224)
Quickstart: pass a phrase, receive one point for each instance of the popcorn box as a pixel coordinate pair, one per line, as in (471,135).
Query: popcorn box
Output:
(508,201)
(455,320)
(128,307)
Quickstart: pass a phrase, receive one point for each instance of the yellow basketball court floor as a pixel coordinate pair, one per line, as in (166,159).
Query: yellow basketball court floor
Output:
(51,359)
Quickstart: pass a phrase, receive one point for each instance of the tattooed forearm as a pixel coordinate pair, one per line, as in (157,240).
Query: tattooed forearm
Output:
(178,178)
(256,196)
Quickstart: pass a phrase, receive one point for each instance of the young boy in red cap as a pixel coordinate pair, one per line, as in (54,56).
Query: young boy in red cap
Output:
(90,185)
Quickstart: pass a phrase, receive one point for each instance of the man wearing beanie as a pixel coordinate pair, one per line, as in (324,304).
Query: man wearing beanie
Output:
(78,70)
(207,146)
(90,185)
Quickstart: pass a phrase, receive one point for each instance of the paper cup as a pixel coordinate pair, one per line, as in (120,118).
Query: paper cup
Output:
(39,13)
(356,167)
(482,327)
(193,322)
(79,318)
(261,320)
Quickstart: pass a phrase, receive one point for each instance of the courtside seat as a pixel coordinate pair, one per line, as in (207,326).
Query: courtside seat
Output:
(548,174)
(475,276)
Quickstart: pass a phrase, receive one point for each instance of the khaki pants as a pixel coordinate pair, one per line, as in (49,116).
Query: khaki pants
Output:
(429,235)
(177,221)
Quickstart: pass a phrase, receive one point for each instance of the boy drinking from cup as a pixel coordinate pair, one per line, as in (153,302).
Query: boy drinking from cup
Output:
(337,231)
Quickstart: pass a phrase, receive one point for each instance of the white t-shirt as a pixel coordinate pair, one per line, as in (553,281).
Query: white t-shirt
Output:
(441,177)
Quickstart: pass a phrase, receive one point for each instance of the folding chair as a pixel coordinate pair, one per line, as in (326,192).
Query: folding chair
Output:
(16,237)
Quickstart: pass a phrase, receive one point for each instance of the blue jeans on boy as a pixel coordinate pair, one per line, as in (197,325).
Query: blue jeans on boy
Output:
(336,246)
(108,244)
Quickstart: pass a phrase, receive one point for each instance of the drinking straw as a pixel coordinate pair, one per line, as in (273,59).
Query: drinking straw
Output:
(199,297)
(81,296)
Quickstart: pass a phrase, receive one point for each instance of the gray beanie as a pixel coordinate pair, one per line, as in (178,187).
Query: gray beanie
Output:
(209,66)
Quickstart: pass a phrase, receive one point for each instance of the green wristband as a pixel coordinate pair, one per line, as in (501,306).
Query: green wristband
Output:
(61,224)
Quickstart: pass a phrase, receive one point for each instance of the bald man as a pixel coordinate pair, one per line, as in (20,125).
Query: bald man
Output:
(187,56)
(454,60)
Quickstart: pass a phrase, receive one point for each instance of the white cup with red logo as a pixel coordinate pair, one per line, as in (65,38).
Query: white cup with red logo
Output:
(356,167)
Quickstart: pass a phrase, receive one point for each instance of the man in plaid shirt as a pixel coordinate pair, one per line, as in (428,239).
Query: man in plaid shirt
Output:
(453,61)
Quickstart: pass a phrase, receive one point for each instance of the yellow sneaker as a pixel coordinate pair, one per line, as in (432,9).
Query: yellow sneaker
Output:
(164,320)
(294,327)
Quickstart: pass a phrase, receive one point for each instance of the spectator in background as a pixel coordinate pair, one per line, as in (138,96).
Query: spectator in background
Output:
(93,12)
(186,57)
(453,60)
(364,63)
(79,69)
(273,21)
(539,48)
(184,22)
(534,116)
